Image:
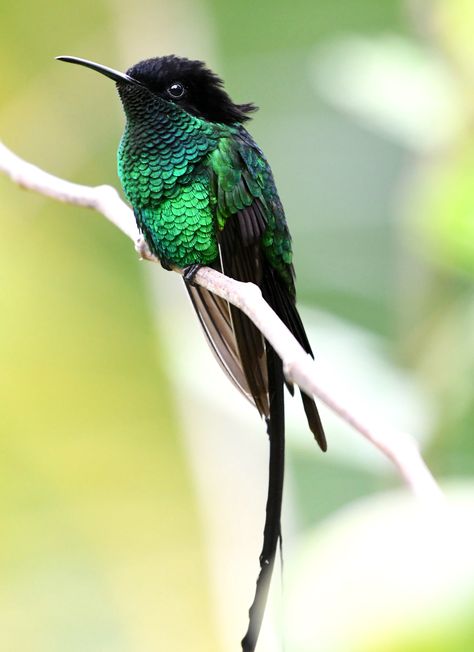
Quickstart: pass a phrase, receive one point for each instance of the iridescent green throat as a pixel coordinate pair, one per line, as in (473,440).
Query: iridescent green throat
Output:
(162,166)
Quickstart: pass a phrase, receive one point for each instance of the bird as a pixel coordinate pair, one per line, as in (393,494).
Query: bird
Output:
(203,194)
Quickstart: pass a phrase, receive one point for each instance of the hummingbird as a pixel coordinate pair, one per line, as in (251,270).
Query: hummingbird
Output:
(203,194)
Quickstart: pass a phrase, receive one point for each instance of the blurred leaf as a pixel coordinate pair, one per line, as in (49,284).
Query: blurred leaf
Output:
(417,100)
(443,209)
(272,25)
(387,574)
(451,21)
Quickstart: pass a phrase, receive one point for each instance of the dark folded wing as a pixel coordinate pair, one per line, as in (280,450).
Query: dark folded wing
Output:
(254,246)
(237,344)
(215,319)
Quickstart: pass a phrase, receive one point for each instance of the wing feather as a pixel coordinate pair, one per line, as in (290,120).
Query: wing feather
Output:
(214,317)
(254,246)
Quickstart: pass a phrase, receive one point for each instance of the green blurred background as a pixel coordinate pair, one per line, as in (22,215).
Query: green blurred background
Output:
(132,478)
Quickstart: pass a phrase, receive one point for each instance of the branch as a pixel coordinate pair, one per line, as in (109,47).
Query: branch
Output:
(399,447)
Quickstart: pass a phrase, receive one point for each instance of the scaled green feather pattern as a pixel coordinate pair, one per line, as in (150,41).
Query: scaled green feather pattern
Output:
(185,177)
(244,177)
(160,164)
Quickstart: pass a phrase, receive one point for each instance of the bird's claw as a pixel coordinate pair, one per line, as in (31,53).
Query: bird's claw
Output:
(190,272)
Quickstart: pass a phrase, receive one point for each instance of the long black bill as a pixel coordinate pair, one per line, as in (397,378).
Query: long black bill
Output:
(116,75)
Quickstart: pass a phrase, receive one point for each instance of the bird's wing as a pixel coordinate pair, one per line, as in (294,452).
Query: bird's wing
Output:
(255,246)
(215,318)
(237,344)
(241,224)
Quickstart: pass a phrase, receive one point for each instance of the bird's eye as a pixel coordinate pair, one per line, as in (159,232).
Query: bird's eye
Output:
(176,90)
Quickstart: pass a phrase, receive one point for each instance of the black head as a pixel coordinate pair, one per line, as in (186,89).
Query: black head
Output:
(190,85)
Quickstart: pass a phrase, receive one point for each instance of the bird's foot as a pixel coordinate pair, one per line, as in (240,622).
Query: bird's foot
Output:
(190,272)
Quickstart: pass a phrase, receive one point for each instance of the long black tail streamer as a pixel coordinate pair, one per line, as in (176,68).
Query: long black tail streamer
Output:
(272,529)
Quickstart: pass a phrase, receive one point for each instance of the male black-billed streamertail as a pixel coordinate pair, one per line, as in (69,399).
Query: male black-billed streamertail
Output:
(203,194)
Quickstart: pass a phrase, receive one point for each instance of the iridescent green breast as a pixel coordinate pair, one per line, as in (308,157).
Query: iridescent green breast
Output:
(185,177)
(163,172)
(181,229)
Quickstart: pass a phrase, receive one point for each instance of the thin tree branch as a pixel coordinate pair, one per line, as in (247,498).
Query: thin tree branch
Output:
(400,447)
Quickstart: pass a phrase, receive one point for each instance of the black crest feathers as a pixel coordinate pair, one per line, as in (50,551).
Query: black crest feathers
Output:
(204,94)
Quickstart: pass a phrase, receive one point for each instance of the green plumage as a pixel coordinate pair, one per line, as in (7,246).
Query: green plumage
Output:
(160,164)
(185,177)
(203,194)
